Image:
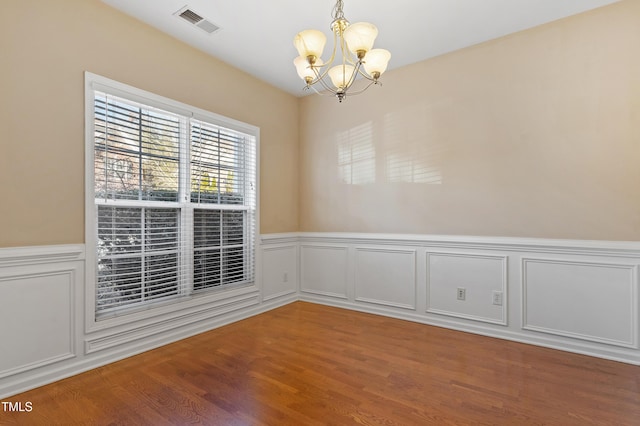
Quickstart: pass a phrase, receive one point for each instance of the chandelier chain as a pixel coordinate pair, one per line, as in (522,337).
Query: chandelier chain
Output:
(337,10)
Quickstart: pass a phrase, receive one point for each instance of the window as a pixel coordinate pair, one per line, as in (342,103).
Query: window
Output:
(172,198)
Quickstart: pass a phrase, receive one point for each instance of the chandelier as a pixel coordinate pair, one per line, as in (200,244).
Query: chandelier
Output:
(355,42)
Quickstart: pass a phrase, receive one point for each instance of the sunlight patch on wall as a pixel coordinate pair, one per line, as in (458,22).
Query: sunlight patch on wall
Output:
(412,152)
(357,155)
(403,167)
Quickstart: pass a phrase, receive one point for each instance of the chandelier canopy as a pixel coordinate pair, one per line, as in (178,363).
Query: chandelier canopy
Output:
(355,44)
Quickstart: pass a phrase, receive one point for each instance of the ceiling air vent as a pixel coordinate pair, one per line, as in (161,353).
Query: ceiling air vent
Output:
(197,20)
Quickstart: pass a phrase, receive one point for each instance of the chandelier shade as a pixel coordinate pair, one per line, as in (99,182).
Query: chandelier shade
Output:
(376,61)
(360,37)
(310,43)
(341,75)
(304,70)
(353,57)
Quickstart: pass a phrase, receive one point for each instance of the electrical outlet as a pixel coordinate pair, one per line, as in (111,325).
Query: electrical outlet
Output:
(285,277)
(497,298)
(462,293)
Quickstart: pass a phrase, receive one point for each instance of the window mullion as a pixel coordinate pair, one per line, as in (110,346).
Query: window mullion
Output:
(222,281)
(186,241)
(219,189)
(185,161)
(140,157)
(186,211)
(221,227)
(106,144)
(143,253)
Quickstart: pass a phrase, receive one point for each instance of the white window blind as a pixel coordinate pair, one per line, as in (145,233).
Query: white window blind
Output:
(138,255)
(222,173)
(142,141)
(174,204)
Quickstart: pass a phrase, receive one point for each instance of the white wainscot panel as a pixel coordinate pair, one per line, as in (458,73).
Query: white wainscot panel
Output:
(279,271)
(590,301)
(324,270)
(483,279)
(386,277)
(36,318)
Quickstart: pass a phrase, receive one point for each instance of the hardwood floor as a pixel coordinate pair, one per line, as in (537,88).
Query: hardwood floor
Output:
(306,364)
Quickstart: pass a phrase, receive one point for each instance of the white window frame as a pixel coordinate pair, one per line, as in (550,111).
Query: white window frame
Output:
(188,301)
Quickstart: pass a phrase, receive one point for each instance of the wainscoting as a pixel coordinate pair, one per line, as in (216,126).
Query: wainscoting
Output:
(46,319)
(577,296)
(38,293)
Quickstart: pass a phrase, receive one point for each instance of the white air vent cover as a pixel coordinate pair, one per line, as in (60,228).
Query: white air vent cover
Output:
(197,20)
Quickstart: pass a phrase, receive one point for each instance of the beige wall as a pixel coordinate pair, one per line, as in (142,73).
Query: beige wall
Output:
(45,47)
(536,134)
(533,135)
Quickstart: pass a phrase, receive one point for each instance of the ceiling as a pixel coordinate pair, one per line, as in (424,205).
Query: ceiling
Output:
(257,35)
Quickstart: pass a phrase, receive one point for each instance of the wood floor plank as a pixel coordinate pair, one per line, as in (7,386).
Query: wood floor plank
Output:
(307,364)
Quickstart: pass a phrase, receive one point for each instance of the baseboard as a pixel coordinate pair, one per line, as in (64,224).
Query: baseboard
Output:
(577,347)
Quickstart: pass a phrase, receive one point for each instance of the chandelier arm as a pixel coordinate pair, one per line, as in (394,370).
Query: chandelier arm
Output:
(317,92)
(352,78)
(335,49)
(363,89)
(348,59)
(344,50)
(320,79)
(365,75)
(326,93)
(326,86)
